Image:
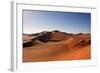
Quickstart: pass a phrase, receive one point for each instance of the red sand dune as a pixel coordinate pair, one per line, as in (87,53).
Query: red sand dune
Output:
(60,46)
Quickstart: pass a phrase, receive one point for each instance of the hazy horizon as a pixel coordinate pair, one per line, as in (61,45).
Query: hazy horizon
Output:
(35,21)
(60,31)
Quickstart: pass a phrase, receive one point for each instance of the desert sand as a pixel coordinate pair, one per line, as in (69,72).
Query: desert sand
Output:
(56,46)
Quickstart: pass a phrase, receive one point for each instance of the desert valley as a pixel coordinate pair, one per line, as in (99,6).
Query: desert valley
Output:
(56,46)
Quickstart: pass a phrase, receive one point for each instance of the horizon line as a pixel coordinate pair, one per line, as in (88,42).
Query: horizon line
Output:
(59,31)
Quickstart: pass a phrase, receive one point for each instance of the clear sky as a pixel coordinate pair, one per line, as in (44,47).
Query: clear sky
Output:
(70,22)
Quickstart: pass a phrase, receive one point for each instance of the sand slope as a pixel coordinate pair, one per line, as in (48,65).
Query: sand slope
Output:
(60,46)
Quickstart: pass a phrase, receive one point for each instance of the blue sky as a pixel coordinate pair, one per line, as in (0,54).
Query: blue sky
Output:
(70,22)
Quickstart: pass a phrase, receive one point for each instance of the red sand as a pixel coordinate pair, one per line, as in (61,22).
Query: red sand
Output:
(69,49)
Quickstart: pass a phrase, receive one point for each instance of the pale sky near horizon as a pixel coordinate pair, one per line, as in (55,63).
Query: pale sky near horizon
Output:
(70,22)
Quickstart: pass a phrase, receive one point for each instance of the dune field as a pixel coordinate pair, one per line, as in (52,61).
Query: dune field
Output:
(56,46)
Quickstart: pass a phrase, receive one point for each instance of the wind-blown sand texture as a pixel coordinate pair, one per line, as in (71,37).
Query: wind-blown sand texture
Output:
(56,46)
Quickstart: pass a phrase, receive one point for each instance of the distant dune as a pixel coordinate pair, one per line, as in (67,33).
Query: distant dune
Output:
(56,46)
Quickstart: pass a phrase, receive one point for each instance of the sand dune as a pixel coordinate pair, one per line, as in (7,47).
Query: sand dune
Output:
(58,46)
